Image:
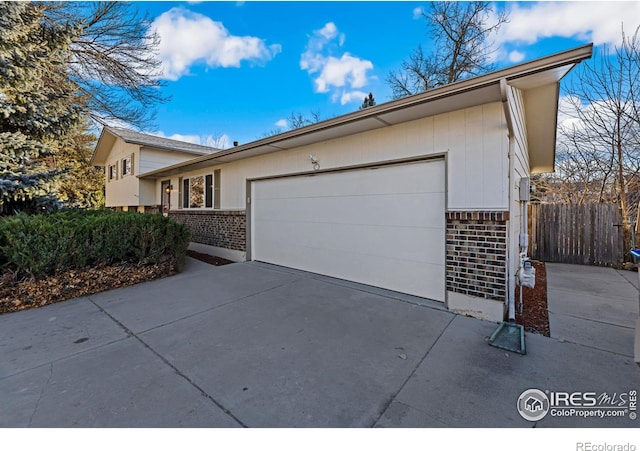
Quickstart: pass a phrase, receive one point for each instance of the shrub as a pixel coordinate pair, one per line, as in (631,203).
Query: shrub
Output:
(40,245)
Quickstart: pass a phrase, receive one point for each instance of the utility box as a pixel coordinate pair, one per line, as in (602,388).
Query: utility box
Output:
(527,274)
(525,189)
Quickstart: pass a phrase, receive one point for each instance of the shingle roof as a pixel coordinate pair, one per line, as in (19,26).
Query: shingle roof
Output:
(144,139)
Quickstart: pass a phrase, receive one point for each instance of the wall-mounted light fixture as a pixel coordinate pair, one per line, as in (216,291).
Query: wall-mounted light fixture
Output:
(314,162)
(168,189)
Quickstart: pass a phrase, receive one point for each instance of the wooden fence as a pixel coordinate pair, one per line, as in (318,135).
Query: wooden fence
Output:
(589,234)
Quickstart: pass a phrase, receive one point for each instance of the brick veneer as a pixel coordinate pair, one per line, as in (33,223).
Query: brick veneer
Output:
(477,253)
(221,228)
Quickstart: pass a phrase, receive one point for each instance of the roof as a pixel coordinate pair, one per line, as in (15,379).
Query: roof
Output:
(540,78)
(109,135)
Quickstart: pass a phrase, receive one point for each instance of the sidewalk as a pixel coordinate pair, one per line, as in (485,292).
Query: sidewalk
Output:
(593,306)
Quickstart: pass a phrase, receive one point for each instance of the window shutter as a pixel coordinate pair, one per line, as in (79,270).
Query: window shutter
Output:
(117,171)
(180,192)
(208,192)
(185,193)
(216,189)
(131,169)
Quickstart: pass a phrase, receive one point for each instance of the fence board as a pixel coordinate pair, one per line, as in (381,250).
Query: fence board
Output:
(588,234)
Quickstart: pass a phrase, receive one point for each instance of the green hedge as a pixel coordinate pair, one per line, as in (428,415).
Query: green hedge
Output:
(39,245)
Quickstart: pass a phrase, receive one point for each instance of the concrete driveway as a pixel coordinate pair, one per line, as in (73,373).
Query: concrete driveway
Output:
(262,346)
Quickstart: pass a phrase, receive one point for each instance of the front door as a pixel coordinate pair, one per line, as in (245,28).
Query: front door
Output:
(166,197)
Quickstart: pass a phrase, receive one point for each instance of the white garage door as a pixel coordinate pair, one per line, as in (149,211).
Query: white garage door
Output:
(378,226)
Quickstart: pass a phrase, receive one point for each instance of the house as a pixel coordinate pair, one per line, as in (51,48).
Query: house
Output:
(420,195)
(534,405)
(125,154)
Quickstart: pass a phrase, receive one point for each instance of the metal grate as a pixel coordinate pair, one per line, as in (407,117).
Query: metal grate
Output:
(510,337)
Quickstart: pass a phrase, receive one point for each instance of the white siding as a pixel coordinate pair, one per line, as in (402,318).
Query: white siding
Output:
(130,190)
(521,169)
(152,159)
(147,192)
(474,140)
(123,191)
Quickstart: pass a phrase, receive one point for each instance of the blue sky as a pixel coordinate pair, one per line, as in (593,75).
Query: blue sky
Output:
(236,70)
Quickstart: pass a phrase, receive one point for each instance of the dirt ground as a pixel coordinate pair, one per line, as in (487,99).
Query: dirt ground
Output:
(535,316)
(211,259)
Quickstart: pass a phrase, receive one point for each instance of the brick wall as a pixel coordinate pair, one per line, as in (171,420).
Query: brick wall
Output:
(221,228)
(477,253)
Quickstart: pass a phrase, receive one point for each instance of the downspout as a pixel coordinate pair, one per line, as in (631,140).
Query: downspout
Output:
(507,114)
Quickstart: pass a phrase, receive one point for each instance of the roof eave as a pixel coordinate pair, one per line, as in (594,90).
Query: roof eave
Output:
(94,161)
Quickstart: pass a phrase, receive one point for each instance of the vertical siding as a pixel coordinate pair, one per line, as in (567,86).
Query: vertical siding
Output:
(474,139)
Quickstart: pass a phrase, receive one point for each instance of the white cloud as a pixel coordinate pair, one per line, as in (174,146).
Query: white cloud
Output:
(333,74)
(567,112)
(219,141)
(417,12)
(599,22)
(187,38)
(193,139)
(353,96)
(281,123)
(516,56)
(329,31)
(347,70)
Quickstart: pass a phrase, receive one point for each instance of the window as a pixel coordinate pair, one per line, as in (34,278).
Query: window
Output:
(200,192)
(112,172)
(193,194)
(126,165)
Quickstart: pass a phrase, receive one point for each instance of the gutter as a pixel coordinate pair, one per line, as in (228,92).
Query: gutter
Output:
(507,113)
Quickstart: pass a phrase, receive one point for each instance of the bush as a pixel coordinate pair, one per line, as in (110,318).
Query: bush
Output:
(40,245)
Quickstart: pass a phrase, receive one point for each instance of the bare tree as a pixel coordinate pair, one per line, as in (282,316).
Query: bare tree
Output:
(216,140)
(460,34)
(599,146)
(298,120)
(294,121)
(114,59)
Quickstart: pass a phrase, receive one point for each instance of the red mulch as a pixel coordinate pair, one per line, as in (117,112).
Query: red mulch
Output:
(18,295)
(535,315)
(211,259)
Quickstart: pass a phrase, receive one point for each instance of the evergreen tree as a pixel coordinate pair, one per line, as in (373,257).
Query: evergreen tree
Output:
(82,185)
(38,104)
(368,102)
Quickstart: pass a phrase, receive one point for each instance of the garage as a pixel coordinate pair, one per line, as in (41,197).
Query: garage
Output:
(382,226)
